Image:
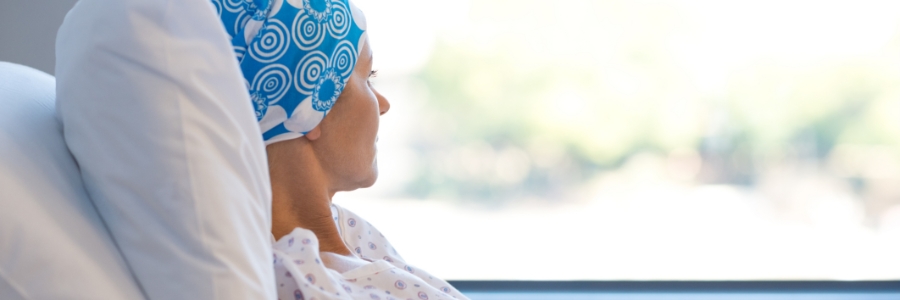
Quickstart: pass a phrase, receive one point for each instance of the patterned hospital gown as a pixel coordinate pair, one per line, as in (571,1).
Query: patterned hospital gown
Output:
(300,274)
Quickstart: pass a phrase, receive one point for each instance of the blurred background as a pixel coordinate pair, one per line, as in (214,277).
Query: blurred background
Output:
(639,139)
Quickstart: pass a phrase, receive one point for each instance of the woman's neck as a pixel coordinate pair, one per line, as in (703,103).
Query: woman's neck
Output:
(300,194)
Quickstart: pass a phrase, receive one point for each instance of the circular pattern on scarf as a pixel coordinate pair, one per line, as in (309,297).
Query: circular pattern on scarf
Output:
(307,33)
(242,18)
(239,52)
(234,5)
(308,71)
(272,42)
(318,9)
(340,20)
(272,81)
(344,58)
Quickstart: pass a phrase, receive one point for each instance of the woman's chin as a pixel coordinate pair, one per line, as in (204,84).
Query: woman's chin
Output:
(370,180)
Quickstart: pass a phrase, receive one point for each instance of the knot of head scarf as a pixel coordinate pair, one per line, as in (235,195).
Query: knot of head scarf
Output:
(296,57)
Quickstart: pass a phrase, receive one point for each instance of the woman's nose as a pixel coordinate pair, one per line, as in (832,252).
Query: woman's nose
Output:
(383,104)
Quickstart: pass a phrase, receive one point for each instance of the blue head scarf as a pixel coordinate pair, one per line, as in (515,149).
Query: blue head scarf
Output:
(296,56)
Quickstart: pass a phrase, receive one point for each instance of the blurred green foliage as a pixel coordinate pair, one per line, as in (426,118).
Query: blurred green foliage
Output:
(572,90)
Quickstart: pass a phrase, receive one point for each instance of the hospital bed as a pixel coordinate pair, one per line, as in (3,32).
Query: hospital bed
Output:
(55,245)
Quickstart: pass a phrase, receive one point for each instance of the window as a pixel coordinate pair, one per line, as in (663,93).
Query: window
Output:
(647,140)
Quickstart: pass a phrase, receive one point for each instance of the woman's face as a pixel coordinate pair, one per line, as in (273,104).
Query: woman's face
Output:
(346,147)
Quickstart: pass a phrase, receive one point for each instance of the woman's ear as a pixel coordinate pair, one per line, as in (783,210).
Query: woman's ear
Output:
(314,134)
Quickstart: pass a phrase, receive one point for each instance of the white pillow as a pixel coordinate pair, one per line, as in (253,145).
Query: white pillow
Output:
(53,244)
(156,112)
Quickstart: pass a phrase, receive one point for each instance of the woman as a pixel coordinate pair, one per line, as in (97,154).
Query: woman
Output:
(304,60)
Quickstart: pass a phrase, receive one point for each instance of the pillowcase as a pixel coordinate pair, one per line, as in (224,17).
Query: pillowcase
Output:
(157,115)
(53,244)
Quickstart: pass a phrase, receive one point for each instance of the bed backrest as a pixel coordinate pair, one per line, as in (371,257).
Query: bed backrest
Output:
(53,244)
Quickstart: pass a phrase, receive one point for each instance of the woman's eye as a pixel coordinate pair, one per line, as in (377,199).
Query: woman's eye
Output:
(372,74)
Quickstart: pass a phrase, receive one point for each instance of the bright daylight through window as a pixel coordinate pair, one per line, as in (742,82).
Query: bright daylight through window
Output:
(639,139)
